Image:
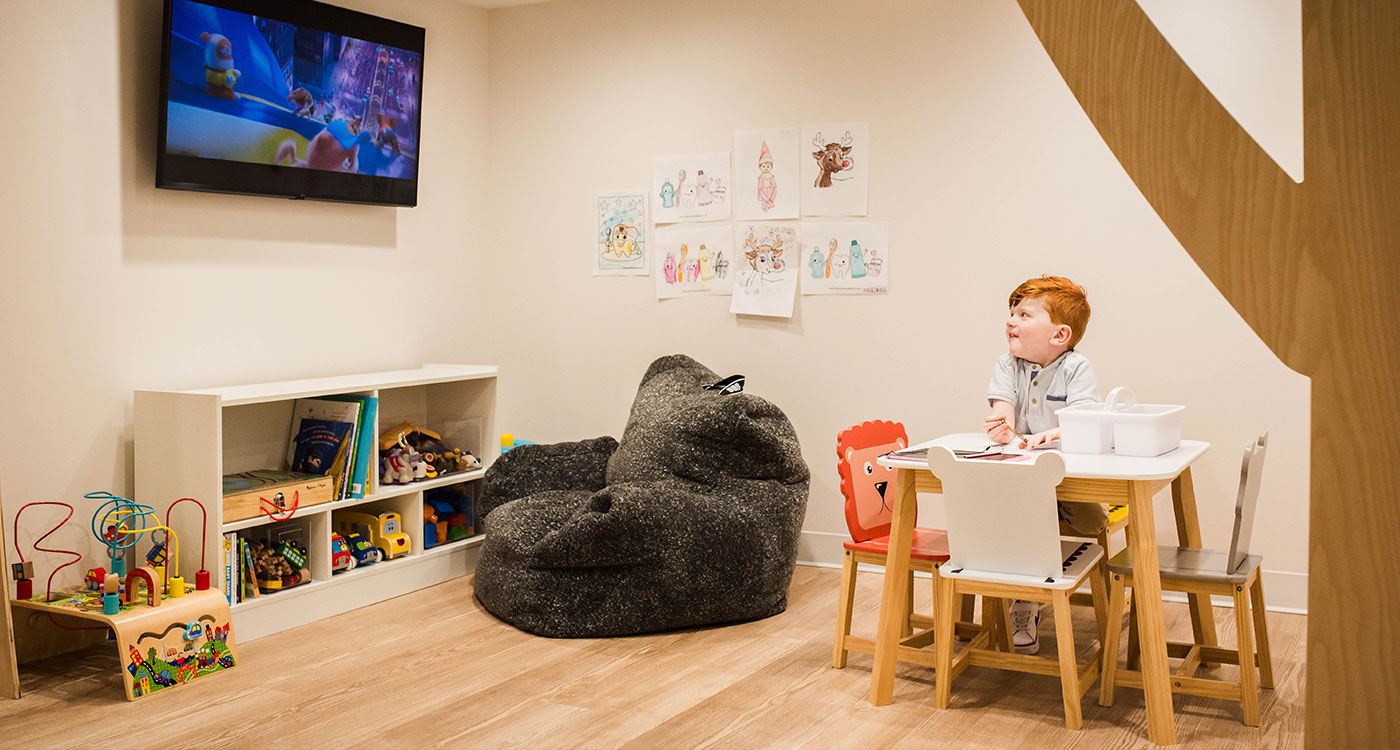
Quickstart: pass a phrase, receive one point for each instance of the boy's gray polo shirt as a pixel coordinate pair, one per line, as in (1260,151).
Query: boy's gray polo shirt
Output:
(1038,392)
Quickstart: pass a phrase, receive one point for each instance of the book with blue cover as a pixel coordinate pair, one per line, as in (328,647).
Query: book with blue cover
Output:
(364,448)
(319,446)
(329,411)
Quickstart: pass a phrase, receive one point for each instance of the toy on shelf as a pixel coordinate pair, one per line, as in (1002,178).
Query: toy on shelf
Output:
(509,441)
(281,568)
(383,531)
(341,559)
(167,634)
(361,550)
(409,453)
(433,529)
(24,569)
(453,510)
(277,509)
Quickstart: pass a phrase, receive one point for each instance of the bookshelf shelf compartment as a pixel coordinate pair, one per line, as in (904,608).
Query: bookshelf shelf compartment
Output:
(186,441)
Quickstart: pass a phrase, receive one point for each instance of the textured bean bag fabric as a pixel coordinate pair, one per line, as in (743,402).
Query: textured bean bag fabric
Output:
(692,519)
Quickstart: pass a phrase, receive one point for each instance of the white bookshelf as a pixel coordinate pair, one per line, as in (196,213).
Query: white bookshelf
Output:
(186,441)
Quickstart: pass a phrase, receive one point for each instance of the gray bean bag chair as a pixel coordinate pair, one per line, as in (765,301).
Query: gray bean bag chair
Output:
(693,519)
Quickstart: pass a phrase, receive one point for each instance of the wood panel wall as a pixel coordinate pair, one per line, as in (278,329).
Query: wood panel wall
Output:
(1314,268)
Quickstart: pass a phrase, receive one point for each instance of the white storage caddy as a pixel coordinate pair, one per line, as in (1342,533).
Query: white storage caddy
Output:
(1131,429)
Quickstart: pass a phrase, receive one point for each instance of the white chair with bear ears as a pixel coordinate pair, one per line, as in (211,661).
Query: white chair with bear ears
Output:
(1233,573)
(1004,542)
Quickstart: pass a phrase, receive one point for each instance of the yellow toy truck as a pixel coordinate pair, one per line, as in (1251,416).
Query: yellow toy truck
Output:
(383,531)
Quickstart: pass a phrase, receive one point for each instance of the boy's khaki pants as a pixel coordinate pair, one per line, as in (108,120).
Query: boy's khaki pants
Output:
(1085,518)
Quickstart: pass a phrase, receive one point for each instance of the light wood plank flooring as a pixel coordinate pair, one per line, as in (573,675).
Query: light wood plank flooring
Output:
(432,668)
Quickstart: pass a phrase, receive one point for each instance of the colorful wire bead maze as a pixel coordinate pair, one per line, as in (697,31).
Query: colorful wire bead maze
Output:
(168,632)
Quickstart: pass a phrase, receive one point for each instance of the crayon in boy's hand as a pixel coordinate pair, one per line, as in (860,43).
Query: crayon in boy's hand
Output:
(1018,435)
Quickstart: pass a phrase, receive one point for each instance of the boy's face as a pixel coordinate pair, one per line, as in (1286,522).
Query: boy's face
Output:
(1032,336)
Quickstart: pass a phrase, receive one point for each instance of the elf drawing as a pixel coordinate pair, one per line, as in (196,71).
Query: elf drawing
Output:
(767,186)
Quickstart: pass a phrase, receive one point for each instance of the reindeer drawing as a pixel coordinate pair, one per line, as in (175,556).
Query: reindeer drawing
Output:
(832,157)
(764,261)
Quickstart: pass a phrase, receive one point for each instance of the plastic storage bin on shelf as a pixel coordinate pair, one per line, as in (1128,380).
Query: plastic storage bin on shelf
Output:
(1129,429)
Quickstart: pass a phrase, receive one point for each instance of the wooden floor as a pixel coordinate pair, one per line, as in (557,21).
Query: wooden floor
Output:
(432,668)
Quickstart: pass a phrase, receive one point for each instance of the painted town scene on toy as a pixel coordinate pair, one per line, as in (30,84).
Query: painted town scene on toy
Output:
(182,653)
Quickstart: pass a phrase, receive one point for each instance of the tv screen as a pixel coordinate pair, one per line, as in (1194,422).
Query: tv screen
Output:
(289,98)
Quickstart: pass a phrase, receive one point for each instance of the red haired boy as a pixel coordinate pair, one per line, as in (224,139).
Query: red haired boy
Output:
(1040,374)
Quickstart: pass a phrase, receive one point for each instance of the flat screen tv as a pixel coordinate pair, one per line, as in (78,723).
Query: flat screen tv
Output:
(289,98)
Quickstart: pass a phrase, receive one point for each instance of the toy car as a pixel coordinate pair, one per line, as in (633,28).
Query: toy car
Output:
(341,559)
(360,549)
(383,531)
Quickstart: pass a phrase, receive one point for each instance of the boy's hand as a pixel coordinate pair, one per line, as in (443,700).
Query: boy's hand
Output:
(1040,438)
(996,429)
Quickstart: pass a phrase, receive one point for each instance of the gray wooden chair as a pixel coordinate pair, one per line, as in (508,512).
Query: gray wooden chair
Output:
(1233,573)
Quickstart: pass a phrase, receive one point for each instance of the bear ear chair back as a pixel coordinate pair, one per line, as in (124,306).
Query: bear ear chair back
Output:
(9,672)
(728,386)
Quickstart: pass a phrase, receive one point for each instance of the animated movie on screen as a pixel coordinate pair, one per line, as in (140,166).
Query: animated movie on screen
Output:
(251,89)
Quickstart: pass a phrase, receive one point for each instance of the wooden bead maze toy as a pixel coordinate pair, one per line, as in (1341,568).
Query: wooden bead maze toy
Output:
(171,634)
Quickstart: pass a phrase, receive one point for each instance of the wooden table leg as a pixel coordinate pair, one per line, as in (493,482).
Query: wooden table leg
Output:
(892,601)
(1147,589)
(9,672)
(1188,534)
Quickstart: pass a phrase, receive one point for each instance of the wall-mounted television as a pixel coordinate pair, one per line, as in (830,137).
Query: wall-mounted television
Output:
(289,98)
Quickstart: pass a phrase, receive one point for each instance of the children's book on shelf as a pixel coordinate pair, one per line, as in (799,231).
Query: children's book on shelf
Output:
(323,433)
(364,447)
(250,585)
(230,582)
(245,491)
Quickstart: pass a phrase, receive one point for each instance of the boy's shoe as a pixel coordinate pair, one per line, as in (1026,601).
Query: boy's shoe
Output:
(1025,616)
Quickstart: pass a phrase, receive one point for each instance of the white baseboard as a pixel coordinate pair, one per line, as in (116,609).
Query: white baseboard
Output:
(1284,591)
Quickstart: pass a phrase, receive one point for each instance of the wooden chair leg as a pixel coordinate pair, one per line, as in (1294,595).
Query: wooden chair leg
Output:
(1100,612)
(994,622)
(906,629)
(845,598)
(1134,647)
(1114,633)
(943,642)
(1098,590)
(1069,668)
(968,605)
(1244,635)
(1261,632)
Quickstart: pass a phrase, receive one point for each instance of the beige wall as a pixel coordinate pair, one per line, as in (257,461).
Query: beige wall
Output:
(111,285)
(982,163)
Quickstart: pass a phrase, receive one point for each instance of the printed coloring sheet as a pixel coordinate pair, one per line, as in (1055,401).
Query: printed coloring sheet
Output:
(766,174)
(835,168)
(766,280)
(845,257)
(622,233)
(693,260)
(691,187)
